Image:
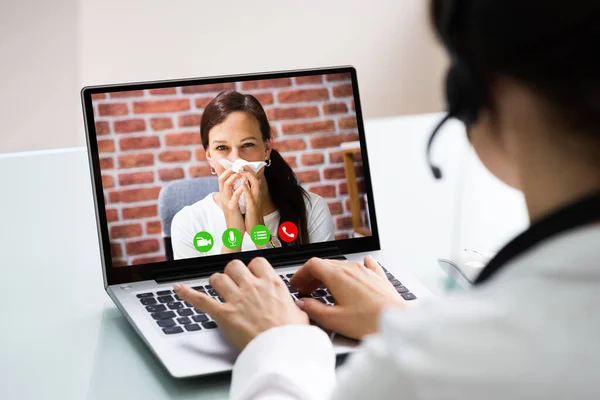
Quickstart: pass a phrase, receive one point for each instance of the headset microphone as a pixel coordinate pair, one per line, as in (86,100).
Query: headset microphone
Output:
(437,172)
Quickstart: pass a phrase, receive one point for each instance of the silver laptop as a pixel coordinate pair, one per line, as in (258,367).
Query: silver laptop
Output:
(149,167)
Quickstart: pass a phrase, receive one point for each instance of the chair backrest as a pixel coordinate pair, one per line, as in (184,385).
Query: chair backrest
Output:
(178,194)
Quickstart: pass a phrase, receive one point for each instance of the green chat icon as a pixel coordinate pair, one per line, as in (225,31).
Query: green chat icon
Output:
(260,235)
(203,241)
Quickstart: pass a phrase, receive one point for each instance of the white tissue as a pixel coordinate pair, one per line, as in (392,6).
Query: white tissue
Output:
(237,166)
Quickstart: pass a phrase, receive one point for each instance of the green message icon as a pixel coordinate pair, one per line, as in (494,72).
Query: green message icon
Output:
(232,238)
(260,235)
(203,241)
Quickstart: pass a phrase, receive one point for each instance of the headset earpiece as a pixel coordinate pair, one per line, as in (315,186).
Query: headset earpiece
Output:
(465,94)
(462,94)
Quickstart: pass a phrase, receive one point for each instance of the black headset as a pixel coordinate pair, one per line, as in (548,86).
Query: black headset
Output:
(464,92)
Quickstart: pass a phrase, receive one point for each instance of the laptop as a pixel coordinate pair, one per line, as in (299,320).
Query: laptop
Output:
(150,174)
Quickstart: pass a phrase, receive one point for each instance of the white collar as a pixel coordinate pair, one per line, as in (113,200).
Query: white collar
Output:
(564,229)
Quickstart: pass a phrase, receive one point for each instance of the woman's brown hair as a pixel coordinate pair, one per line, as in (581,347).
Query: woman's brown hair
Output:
(284,189)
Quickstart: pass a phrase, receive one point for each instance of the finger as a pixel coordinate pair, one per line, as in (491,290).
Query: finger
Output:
(324,315)
(374,266)
(235,198)
(239,273)
(199,300)
(231,180)
(226,189)
(248,173)
(249,197)
(251,176)
(248,170)
(312,274)
(224,176)
(224,285)
(256,188)
(253,183)
(261,268)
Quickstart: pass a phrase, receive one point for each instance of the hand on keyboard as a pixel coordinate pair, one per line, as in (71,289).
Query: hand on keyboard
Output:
(255,300)
(360,292)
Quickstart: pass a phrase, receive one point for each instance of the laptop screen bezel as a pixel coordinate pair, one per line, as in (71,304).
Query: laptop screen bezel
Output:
(142,272)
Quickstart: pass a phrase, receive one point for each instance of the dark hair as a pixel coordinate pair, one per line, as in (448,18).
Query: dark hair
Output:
(284,188)
(550,46)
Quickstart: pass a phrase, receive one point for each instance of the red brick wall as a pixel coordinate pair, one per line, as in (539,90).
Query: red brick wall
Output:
(149,137)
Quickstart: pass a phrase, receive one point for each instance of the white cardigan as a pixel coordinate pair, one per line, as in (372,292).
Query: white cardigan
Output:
(531,332)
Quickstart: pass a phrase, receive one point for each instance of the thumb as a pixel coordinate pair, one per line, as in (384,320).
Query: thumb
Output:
(374,266)
(322,314)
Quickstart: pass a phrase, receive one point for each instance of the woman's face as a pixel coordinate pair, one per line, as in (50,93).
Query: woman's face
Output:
(238,136)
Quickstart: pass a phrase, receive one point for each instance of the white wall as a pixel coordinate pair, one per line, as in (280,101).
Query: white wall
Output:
(39,104)
(73,43)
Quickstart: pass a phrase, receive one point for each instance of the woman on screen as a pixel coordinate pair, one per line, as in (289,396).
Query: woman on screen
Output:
(234,126)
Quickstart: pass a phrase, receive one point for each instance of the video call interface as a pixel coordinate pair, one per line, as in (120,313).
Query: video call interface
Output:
(201,170)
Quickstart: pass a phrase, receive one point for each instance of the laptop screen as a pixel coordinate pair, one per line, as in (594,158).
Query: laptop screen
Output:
(204,169)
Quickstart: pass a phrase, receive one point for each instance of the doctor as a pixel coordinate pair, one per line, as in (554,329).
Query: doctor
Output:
(525,78)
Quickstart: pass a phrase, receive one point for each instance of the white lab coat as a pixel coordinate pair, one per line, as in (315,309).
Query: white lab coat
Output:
(530,332)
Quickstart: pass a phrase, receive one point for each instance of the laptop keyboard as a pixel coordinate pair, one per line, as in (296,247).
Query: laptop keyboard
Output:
(173,315)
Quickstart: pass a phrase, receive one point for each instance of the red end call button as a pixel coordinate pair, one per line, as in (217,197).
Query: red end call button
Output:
(288,231)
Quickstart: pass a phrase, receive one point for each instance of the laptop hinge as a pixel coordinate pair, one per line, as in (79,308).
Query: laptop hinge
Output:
(277,261)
